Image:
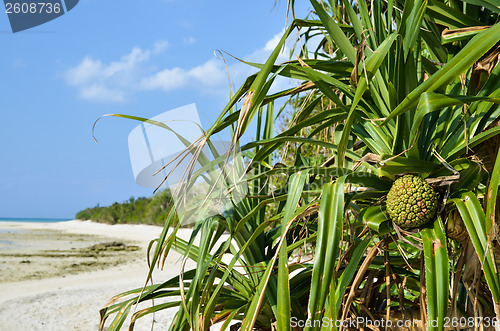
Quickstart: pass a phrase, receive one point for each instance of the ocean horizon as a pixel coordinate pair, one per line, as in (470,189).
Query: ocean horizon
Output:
(33,220)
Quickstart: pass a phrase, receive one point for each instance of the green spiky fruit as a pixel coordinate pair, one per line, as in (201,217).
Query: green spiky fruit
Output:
(411,202)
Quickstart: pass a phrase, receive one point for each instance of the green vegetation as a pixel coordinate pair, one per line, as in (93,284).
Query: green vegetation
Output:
(153,210)
(401,87)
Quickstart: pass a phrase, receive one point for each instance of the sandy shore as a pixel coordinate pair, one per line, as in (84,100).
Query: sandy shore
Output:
(69,270)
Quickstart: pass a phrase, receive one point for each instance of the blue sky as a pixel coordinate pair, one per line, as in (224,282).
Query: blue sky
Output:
(131,57)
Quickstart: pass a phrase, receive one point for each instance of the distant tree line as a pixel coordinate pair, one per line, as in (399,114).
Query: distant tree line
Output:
(153,210)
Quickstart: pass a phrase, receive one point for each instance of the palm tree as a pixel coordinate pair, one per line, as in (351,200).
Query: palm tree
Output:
(387,88)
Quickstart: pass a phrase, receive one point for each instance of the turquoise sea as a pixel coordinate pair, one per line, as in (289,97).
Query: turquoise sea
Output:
(35,220)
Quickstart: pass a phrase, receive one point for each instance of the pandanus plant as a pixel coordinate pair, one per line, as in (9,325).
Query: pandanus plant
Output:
(386,88)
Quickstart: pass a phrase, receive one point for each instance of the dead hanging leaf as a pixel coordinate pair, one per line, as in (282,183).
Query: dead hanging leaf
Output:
(245,110)
(301,88)
(489,61)
(443,180)
(370,158)
(359,57)
(447,33)
(482,69)
(455,227)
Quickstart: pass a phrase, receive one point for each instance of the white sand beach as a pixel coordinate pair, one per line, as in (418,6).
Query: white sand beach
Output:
(58,297)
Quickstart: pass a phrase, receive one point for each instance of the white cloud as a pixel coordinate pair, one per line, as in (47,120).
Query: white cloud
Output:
(102,93)
(209,73)
(110,82)
(116,81)
(86,71)
(206,76)
(167,80)
(160,46)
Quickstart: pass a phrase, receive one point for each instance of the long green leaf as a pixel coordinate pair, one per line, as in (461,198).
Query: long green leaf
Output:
(413,25)
(474,219)
(330,221)
(436,274)
(296,186)
(491,195)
